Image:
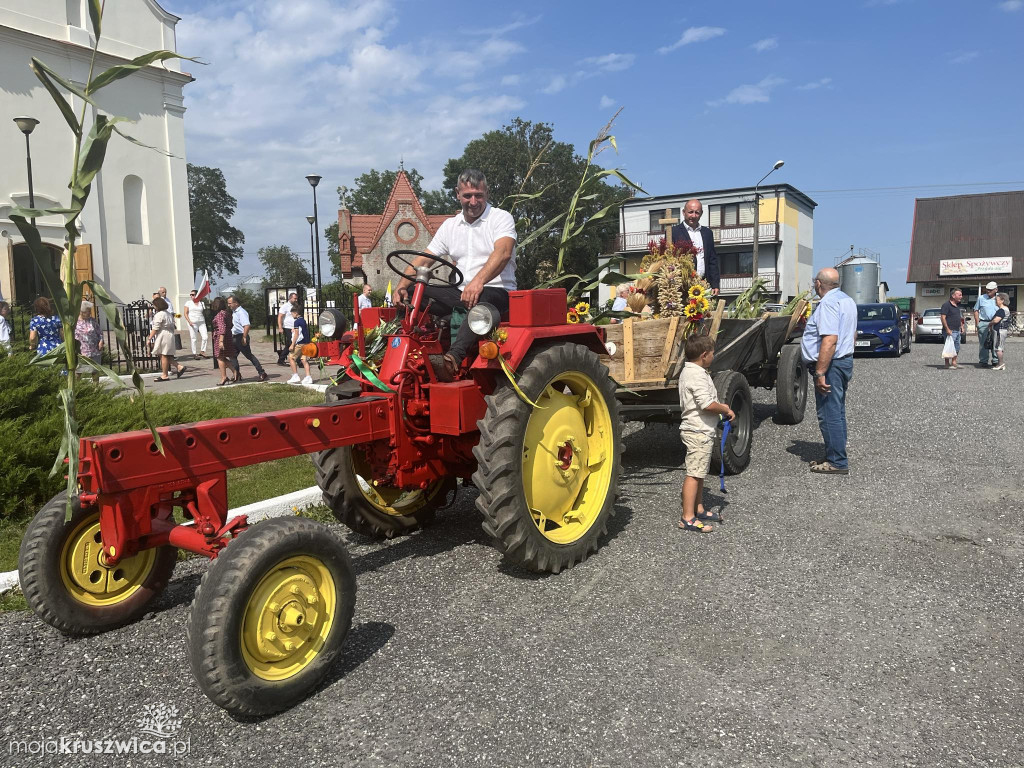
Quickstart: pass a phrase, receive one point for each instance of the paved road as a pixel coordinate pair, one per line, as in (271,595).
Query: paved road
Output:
(867,620)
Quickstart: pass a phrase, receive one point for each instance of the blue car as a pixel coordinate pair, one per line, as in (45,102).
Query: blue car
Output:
(881,329)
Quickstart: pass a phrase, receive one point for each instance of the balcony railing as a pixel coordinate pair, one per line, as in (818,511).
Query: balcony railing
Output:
(733,285)
(625,242)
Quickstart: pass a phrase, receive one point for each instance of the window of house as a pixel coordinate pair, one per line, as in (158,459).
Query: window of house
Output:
(136,218)
(659,214)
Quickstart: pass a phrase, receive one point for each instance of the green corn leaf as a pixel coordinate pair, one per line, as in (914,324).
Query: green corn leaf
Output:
(60,80)
(34,213)
(540,230)
(96,16)
(115,73)
(619,314)
(138,143)
(58,97)
(69,447)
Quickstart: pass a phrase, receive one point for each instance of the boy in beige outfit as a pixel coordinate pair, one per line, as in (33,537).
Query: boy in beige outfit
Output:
(699,400)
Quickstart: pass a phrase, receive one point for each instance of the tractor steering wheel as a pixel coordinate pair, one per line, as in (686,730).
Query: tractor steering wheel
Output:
(454,277)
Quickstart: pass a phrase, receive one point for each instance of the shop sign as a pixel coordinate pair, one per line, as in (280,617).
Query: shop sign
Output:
(933,290)
(952,267)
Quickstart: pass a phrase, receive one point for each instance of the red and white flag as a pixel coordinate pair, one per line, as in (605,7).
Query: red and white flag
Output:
(202,286)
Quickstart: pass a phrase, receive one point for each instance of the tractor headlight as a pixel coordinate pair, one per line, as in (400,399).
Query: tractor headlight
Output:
(332,323)
(890,329)
(483,318)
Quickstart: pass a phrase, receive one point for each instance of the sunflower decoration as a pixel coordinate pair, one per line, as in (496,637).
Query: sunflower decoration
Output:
(703,304)
(499,335)
(583,308)
(696,292)
(690,311)
(572,316)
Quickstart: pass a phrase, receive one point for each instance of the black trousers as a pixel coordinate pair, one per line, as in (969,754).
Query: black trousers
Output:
(445,298)
(243,349)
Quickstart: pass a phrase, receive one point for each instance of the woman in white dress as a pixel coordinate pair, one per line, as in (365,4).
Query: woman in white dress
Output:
(161,337)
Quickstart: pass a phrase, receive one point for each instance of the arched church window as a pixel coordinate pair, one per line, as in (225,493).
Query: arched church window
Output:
(136,219)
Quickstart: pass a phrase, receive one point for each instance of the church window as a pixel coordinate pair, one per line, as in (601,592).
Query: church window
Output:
(136,219)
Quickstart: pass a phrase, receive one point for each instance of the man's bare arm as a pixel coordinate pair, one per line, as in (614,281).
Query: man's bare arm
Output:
(496,262)
(828,349)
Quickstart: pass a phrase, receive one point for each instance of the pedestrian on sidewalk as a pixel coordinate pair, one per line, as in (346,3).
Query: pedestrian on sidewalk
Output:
(240,335)
(284,326)
(223,341)
(999,329)
(952,325)
(196,319)
(827,348)
(300,336)
(984,309)
(161,336)
(89,337)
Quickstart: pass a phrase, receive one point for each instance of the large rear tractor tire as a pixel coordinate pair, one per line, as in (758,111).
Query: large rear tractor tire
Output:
(66,581)
(791,386)
(270,616)
(734,391)
(548,476)
(368,508)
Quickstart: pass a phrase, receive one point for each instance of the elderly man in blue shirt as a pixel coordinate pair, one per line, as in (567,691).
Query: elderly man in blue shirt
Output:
(827,348)
(984,310)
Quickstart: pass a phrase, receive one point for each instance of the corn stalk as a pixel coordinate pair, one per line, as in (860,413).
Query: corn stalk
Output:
(90,147)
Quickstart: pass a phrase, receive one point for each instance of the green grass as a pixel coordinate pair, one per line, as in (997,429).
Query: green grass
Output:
(245,485)
(13,600)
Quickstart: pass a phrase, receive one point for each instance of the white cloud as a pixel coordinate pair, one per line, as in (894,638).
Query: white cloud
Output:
(317,86)
(557,83)
(825,82)
(611,62)
(766,45)
(965,57)
(504,30)
(1011,5)
(509,80)
(606,102)
(694,35)
(756,93)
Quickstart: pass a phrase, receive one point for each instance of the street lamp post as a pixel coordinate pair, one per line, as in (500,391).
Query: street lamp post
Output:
(757,218)
(311,220)
(313,180)
(26,125)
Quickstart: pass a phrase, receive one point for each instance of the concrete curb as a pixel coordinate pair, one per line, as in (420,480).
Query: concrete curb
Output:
(288,504)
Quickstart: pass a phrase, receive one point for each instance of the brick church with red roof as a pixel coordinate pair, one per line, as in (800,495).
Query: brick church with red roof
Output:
(364,240)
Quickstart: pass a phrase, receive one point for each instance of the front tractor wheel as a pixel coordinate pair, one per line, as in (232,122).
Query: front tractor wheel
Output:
(67,582)
(270,616)
(548,475)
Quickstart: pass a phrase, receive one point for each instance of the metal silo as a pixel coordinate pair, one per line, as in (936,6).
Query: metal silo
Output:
(859,279)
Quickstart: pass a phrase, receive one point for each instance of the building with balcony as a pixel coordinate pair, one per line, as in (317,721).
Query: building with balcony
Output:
(785,254)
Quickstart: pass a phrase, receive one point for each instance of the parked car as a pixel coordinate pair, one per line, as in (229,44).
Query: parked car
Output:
(929,326)
(881,329)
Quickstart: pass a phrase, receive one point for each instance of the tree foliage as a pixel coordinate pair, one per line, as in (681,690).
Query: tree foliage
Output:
(283,266)
(216,245)
(523,158)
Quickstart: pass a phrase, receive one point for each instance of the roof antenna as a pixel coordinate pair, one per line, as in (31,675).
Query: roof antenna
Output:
(401,162)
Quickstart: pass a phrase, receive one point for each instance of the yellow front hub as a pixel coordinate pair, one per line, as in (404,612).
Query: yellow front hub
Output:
(87,577)
(288,618)
(568,457)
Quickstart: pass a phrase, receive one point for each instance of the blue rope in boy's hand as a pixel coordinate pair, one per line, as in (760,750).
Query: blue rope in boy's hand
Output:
(726,426)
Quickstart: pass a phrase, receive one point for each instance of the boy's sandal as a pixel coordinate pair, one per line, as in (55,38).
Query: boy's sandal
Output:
(695,525)
(711,517)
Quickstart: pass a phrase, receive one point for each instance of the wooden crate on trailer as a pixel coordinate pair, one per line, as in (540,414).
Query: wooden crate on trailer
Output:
(644,349)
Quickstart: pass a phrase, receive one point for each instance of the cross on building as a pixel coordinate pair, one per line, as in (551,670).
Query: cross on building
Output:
(667,223)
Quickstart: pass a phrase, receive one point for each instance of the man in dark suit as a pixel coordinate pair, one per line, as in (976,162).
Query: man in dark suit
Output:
(703,238)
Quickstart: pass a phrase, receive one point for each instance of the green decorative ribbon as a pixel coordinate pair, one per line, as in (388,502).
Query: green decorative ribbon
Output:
(368,373)
(511,378)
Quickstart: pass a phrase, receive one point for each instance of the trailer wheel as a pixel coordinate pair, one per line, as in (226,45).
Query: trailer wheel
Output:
(378,511)
(66,582)
(791,386)
(734,391)
(270,616)
(548,476)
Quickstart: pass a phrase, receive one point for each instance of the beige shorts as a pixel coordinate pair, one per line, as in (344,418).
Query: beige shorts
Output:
(296,354)
(698,453)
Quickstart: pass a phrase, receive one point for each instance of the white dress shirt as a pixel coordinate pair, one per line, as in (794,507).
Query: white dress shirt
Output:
(471,245)
(239,319)
(697,238)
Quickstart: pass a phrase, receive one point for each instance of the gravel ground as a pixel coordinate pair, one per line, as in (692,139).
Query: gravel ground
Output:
(866,620)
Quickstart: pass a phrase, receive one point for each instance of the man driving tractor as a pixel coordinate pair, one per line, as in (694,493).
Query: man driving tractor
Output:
(481,242)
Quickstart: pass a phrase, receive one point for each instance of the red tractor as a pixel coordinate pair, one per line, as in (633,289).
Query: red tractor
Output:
(274,607)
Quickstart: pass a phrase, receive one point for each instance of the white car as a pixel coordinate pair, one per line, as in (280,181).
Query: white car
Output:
(929,326)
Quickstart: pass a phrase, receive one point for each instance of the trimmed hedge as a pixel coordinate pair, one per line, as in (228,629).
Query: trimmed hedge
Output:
(32,424)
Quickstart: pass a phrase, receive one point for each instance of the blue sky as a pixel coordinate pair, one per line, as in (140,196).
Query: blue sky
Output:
(856,97)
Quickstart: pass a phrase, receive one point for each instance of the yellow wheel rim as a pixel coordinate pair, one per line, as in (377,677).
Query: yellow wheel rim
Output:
(88,579)
(288,618)
(386,498)
(568,457)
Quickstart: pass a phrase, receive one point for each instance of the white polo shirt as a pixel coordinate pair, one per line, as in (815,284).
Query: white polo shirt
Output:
(286,309)
(471,245)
